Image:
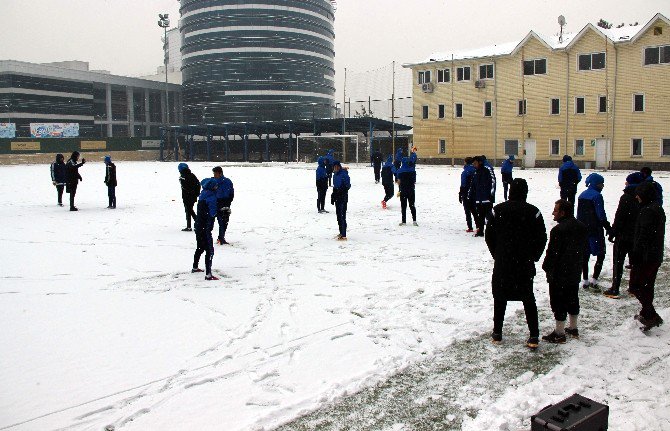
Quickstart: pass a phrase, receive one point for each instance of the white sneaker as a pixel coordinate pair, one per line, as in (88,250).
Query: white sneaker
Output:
(415,224)
(402,224)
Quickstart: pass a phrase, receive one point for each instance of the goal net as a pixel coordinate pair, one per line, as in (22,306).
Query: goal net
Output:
(345,148)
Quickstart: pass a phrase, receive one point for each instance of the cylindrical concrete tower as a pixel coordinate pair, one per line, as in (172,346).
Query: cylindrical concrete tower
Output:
(257,60)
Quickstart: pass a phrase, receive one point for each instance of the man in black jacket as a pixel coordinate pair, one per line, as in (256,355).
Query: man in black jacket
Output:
(516,237)
(376,160)
(623,230)
(58,176)
(647,254)
(110,181)
(563,266)
(72,177)
(482,193)
(190,190)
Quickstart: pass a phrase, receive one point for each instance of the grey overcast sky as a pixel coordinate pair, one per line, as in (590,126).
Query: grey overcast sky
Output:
(122,35)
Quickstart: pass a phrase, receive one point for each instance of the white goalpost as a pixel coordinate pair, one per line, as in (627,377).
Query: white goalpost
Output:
(321,142)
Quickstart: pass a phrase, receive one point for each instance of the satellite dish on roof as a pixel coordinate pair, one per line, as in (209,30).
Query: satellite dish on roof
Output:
(561,20)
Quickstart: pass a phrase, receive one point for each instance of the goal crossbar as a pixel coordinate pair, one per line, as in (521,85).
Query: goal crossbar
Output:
(316,137)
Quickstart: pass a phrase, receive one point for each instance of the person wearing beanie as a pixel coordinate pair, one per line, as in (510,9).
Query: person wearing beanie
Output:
(569,176)
(591,212)
(466,181)
(72,177)
(388,173)
(623,230)
(190,189)
(204,223)
(376,162)
(647,254)
(482,193)
(340,197)
(321,185)
(646,174)
(110,181)
(563,267)
(58,176)
(506,173)
(515,237)
(406,184)
(225,194)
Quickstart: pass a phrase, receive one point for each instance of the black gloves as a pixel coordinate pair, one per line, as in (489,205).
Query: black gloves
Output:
(332,199)
(460,197)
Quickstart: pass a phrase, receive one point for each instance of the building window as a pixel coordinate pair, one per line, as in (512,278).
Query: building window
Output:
(602,104)
(638,102)
(442,146)
(555,106)
(579,147)
(486,71)
(657,55)
(636,147)
(580,105)
(535,67)
(488,109)
(523,105)
(440,111)
(594,61)
(511,147)
(424,77)
(424,112)
(555,147)
(443,75)
(665,147)
(458,112)
(463,73)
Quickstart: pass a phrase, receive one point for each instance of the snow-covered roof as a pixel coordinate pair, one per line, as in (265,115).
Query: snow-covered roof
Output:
(616,35)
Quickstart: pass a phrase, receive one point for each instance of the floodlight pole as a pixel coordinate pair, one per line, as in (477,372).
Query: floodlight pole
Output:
(393,112)
(164,23)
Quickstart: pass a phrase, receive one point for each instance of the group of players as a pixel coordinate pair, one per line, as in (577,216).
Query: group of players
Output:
(66,177)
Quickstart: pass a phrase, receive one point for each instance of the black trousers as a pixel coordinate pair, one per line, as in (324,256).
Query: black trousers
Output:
(596,269)
(482,211)
(568,193)
(642,281)
(330,179)
(204,244)
(621,250)
(111,194)
(377,172)
(506,180)
(469,208)
(388,192)
(72,190)
(321,199)
(405,198)
(529,306)
(564,300)
(190,214)
(341,211)
(59,191)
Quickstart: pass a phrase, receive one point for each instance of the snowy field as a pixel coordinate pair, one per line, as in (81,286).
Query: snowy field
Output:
(104,325)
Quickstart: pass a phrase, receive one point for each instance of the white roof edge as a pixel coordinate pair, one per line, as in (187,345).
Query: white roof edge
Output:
(525,40)
(649,24)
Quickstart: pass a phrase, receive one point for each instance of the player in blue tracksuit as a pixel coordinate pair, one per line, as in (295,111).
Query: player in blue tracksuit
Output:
(506,173)
(225,193)
(398,159)
(340,197)
(569,176)
(646,173)
(591,212)
(204,223)
(466,181)
(329,159)
(321,185)
(482,193)
(58,176)
(388,173)
(406,182)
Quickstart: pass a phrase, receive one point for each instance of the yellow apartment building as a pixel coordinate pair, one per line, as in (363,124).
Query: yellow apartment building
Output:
(601,96)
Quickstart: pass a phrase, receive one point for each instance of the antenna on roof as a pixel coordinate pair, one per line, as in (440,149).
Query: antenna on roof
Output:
(561,22)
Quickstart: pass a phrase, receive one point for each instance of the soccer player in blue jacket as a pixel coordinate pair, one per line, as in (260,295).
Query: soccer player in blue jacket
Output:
(388,173)
(482,193)
(568,178)
(225,193)
(591,212)
(204,223)
(329,160)
(406,182)
(340,197)
(506,173)
(321,185)
(466,181)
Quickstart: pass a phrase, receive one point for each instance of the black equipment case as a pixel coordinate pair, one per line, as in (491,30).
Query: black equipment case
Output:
(575,413)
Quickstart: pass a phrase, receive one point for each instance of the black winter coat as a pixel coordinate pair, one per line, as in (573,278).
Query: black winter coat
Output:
(110,175)
(190,186)
(516,237)
(387,176)
(626,216)
(649,237)
(58,173)
(376,159)
(72,176)
(565,252)
(482,187)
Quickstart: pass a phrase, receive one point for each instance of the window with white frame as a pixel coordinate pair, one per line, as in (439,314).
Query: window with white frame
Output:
(488,108)
(636,147)
(443,75)
(442,146)
(665,147)
(555,106)
(463,73)
(440,111)
(579,147)
(512,147)
(594,61)
(486,71)
(602,104)
(657,55)
(638,102)
(424,112)
(580,105)
(458,110)
(555,147)
(535,67)
(522,107)
(424,77)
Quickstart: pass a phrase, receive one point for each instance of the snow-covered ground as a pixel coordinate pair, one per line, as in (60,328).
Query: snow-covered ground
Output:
(103,323)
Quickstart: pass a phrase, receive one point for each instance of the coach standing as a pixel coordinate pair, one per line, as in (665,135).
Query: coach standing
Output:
(72,177)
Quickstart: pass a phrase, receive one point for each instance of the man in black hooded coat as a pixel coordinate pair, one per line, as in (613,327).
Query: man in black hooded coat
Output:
(72,177)
(516,237)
